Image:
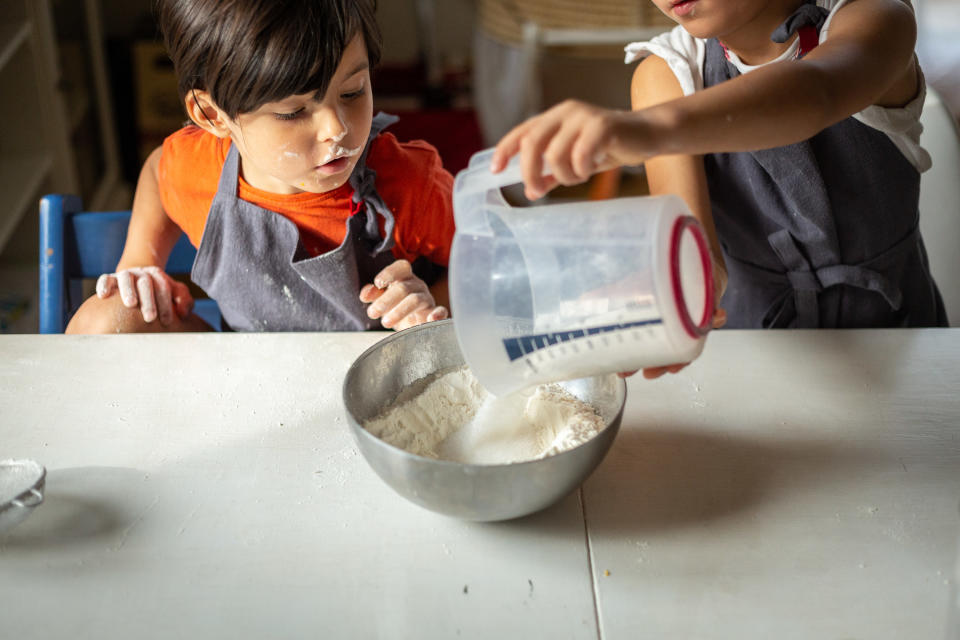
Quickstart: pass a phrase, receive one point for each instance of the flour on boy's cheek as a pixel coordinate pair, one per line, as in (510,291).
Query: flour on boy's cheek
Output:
(289,159)
(286,157)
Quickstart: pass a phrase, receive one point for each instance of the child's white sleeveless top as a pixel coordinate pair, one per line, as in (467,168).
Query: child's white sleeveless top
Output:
(685,56)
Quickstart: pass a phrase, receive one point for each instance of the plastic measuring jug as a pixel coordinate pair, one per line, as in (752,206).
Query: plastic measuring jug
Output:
(561,291)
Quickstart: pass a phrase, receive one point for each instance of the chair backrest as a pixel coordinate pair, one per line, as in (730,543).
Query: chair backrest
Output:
(77,244)
(940,201)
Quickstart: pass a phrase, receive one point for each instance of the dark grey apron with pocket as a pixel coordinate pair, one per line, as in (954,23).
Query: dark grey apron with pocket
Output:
(251,260)
(821,233)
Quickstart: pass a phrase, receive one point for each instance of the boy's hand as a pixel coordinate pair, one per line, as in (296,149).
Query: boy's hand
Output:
(719,319)
(156,293)
(401,299)
(651,373)
(575,140)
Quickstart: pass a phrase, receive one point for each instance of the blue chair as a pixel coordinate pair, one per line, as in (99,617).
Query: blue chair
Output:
(77,244)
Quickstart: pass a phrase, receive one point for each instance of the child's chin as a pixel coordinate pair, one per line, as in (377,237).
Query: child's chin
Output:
(322,184)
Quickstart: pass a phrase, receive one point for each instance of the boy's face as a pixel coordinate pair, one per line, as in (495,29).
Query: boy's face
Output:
(305,144)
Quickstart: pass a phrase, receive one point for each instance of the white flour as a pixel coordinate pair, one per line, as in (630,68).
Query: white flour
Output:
(455,418)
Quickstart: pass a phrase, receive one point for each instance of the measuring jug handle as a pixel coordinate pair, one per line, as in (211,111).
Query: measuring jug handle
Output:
(477,176)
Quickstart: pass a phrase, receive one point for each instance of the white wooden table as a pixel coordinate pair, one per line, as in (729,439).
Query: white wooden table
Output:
(786,485)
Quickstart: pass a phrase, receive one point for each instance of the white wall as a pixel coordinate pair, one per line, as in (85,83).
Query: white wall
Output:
(938,47)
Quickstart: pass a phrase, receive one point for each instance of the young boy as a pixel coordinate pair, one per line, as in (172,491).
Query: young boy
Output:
(305,216)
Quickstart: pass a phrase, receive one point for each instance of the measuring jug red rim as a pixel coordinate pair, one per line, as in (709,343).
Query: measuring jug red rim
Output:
(689,223)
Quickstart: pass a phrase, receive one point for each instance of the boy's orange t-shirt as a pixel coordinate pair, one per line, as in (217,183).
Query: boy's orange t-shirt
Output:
(411,181)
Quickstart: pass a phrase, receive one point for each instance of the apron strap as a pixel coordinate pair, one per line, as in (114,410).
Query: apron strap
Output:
(230,174)
(363,180)
(808,282)
(364,183)
(807,20)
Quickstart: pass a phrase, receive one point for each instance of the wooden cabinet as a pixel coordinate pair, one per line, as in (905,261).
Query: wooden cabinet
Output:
(56,120)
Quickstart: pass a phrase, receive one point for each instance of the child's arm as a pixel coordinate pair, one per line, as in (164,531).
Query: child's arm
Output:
(683,175)
(867,59)
(151,235)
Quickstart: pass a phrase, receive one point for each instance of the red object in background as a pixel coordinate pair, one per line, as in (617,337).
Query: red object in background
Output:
(431,112)
(454,132)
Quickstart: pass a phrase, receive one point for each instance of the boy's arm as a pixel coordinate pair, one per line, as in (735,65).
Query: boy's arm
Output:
(867,59)
(140,278)
(151,234)
(683,175)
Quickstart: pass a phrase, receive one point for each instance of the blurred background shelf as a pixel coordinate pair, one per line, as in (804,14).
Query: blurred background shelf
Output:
(20,179)
(12,36)
(56,110)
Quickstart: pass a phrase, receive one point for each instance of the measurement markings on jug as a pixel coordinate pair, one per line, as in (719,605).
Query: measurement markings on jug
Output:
(520,346)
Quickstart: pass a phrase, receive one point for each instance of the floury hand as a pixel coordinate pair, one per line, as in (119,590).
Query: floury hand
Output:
(156,293)
(400,299)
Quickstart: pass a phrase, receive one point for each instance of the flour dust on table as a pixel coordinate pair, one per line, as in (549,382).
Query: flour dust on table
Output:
(453,417)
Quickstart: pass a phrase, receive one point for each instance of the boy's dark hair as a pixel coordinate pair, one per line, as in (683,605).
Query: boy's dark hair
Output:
(247,53)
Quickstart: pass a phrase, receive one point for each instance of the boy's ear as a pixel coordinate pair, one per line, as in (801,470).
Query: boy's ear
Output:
(205,114)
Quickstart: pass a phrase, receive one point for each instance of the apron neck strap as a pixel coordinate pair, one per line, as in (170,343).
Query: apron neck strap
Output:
(230,174)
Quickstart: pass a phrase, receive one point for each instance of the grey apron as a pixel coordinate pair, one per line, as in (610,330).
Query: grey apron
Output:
(821,233)
(251,260)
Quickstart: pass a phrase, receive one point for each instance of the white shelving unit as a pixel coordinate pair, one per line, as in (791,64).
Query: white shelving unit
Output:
(56,120)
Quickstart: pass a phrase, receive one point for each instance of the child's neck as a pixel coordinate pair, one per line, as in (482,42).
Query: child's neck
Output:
(751,42)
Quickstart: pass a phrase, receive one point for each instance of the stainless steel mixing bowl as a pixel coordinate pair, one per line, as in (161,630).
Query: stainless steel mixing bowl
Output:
(471,492)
